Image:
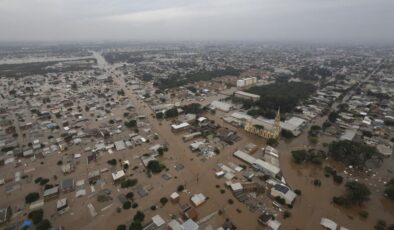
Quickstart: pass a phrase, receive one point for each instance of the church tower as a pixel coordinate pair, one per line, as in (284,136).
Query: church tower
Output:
(276,129)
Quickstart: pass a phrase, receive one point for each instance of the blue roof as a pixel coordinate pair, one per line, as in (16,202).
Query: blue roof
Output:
(26,223)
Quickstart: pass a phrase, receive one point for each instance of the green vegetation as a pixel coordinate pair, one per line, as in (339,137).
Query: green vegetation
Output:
(163,201)
(112,162)
(194,108)
(128,183)
(286,214)
(389,122)
(380,225)
(135,226)
(317,182)
(130,124)
(389,189)
(352,153)
(333,116)
(202,75)
(171,113)
(363,214)
(121,227)
(41,68)
(44,225)
(312,156)
(127,205)
(130,195)
(286,134)
(139,217)
(331,172)
(356,193)
(31,197)
(36,216)
(180,188)
(272,142)
(155,166)
(284,95)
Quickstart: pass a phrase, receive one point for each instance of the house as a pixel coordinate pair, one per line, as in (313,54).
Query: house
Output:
(51,193)
(328,224)
(202,121)
(246,96)
(93,176)
(174,197)
(267,219)
(116,176)
(120,145)
(174,225)
(180,127)
(284,192)
(190,225)
(5,215)
(68,185)
(198,199)
(61,205)
(266,168)
(225,107)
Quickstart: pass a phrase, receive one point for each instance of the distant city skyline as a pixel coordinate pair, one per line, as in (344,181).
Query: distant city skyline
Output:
(359,21)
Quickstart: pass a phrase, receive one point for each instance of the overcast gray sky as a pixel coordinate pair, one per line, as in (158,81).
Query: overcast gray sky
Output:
(264,20)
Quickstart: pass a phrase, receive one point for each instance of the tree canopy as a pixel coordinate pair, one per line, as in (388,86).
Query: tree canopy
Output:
(352,153)
(389,190)
(283,95)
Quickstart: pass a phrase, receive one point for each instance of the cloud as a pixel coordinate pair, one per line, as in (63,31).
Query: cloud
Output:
(285,20)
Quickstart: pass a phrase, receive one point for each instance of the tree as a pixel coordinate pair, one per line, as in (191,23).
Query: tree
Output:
(163,201)
(139,217)
(173,112)
(135,226)
(154,166)
(36,216)
(180,188)
(286,134)
(130,124)
(333,116)
(112,162)
(286,214)
(31,197)
(126,205)
(130,195)
(121,227)
(326,125)
(159,115)
(160,151)
(299,156)
(272,142)
(380,225)
(337,179)
(357,192)
(389,189)
(339,200)
(44,225)
(363,214)
(128,183)
(352,153)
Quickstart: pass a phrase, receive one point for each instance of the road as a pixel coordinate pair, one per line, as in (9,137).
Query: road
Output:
(197,176)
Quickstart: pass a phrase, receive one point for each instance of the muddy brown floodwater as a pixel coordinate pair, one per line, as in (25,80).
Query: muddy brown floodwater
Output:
(315,202)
